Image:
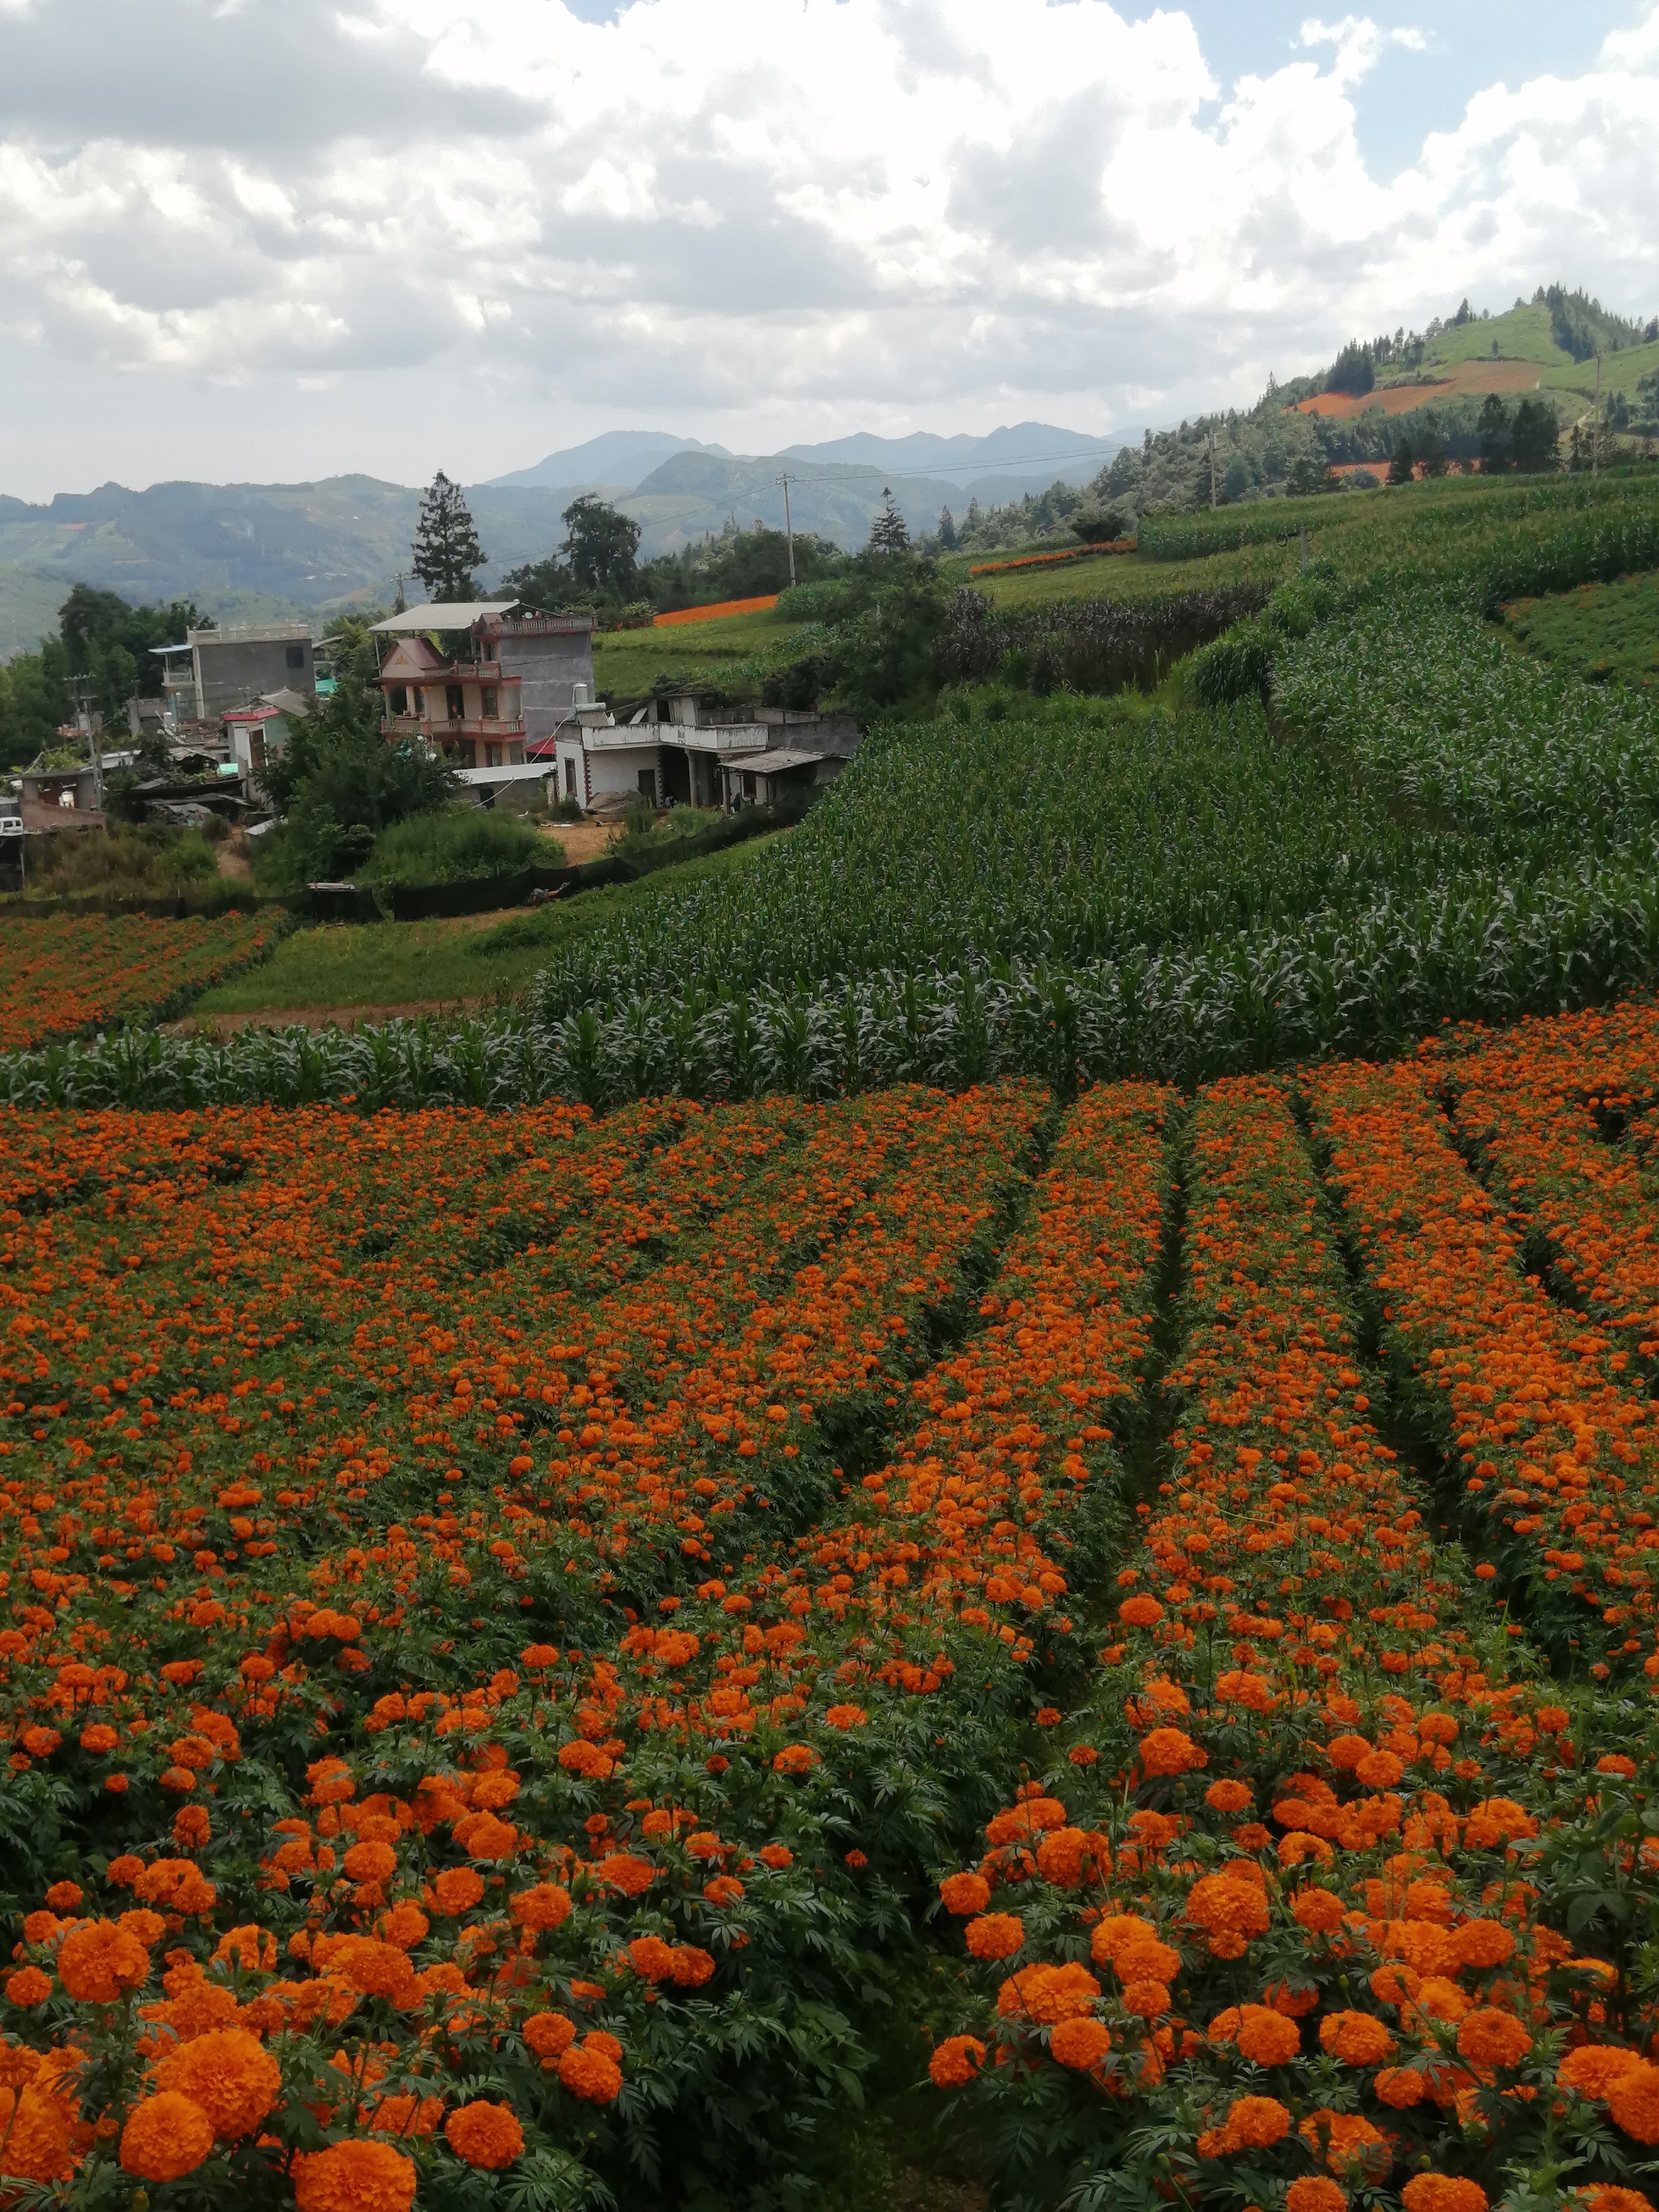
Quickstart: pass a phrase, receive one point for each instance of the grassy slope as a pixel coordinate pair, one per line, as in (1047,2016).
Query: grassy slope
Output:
(1605,631)
(628,662)
(467,958)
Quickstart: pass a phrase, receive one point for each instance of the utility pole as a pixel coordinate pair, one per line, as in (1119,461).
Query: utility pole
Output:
(788,527)
(1213,501)
(1596,427)
(81,689)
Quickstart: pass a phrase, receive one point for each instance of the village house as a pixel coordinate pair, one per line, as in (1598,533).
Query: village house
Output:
(685,749)
(516,683)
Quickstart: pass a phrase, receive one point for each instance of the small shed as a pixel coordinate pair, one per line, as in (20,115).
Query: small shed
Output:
(767,779)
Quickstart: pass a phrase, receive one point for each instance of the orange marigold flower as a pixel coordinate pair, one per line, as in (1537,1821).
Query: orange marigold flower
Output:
(1264,2036)
(1595,2069)
(1442,2192)
(1116,1931)
(1080,2043)
(1401,2087)
(1257,2121)
(35,2128)
(1145,1959)
(840,1716)
(99,1962)
(1320,1910)
(374,1861)
(1228,1796)
(1359,2039)
(1489,2037)
(623,1870)
(586,1758)
(1607,2196)
(549,2035)
(1170,1751)
(692,1967)
(652,1959)
(484,2135)
(1350,2140)
(458,1889)
(795,1759)
(64,1896)
(1634,2103)
(1064,1854)
(590,2073)
(1146,1999)
(1227,1906)
(29,1986)
(995,1934)
(779,1855)
(955,2061)
(1483,1943)
(1140,1612)
(1313,2193)
(359,2176)
(166,2137)
(229,2074)
(1047,1994)
(546,1905)
(1610,1762)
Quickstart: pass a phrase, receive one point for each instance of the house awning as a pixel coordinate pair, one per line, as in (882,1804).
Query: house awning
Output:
(770,763)
(444,614)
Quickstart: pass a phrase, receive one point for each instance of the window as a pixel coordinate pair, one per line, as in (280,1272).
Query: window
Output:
(490,702)
(456,704)
(399,700)
(296,656)
(492,756)
(420,701)
(646,779)
(570,777)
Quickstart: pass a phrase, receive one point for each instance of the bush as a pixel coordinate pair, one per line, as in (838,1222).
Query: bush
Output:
(1236,667)
(455,846)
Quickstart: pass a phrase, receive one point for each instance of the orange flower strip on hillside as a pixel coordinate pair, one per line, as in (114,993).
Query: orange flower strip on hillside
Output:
(1287,1933)
(1537,1409)
(67,974)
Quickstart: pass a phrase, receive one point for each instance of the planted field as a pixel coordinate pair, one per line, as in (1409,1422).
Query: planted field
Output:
(66,973)
(598,1652)
(1607,632)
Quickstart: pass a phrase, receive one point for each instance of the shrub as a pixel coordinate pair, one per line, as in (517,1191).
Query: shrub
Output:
(454,847)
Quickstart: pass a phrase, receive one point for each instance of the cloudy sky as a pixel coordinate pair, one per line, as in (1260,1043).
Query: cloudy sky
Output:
(281,238)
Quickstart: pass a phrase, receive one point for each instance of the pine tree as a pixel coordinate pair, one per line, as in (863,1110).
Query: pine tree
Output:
(1400,466)
(887,533)
(947,530)
(446,551)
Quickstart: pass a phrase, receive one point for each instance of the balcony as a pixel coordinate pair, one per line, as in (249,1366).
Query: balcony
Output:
(439,726)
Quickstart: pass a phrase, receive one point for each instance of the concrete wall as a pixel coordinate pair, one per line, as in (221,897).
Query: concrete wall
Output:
(609,772)
(549,670)
(235,672)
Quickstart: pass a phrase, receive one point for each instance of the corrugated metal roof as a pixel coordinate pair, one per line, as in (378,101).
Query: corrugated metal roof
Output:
(770,763)
(442,614)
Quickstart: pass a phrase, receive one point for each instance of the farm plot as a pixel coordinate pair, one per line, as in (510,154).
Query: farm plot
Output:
(65,973)
(559,1648)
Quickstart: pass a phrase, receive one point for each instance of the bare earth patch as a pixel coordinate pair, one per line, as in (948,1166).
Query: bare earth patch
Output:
(220,1026)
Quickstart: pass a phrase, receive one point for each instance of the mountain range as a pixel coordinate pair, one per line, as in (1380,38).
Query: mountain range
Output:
(256,551)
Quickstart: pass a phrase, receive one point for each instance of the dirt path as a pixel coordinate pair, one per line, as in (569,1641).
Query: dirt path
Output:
(220,1026)
(582,840)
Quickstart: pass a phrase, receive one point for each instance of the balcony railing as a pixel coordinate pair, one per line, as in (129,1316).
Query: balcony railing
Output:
(438,726)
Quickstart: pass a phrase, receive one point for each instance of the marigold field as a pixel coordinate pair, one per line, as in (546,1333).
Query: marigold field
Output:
(636,1661)
(63,974)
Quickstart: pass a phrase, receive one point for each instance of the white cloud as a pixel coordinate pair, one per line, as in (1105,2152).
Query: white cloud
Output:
(758,220)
